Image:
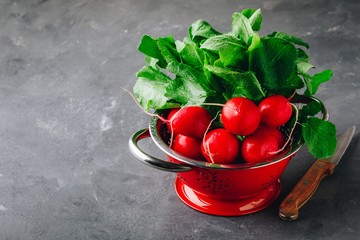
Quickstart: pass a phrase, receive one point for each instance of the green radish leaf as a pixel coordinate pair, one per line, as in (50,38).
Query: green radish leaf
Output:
(180,45)
(248,12)
(316,80)
(193,56)
(152,62)
(307,80)
(149,47)
(248,86)
(153,74)
(302,55)
(188,73)
(231,58)
(303,67)
(191,87)
(310,109)
(200,30)
(186,92)
(151,94)
(243,84)
(320,137)
(321,77)
(254,17)
(210,57)
(273,62)
(241,27)
(219,42)
(168,49)
(150,88)
(289,38)
(255,42)
(291,84)
(230,49)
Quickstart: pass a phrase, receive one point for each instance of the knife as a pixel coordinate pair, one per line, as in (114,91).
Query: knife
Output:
(305,188)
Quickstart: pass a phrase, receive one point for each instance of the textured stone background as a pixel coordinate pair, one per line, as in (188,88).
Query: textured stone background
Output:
(65,168)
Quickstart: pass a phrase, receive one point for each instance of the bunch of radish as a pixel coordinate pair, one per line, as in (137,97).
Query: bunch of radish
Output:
(248,133)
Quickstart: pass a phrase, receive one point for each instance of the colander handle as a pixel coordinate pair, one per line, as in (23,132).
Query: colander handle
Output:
(150,160)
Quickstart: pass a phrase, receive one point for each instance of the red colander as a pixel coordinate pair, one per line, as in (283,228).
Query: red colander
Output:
(221,189)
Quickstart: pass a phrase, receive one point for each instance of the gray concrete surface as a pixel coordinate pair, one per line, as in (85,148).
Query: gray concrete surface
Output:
(65,168)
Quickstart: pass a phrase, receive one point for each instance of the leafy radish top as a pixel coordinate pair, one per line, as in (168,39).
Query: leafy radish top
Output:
(213,67)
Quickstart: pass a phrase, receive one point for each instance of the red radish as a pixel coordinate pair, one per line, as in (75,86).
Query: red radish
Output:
(275,110)
(240,116)
(170,115)
(188,147)
(172,112)
(275,132)
(259,146)
(192,121)
(220,146)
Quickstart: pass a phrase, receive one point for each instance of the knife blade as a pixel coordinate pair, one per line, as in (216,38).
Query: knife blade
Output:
(306,187)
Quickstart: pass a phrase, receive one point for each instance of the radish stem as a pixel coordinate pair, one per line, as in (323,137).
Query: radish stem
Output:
(138,104)
(291,132)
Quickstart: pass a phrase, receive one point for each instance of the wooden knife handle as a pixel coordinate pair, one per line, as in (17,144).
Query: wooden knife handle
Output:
(304,189)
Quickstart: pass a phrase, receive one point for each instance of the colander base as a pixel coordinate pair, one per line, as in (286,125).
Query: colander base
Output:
(219,207)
